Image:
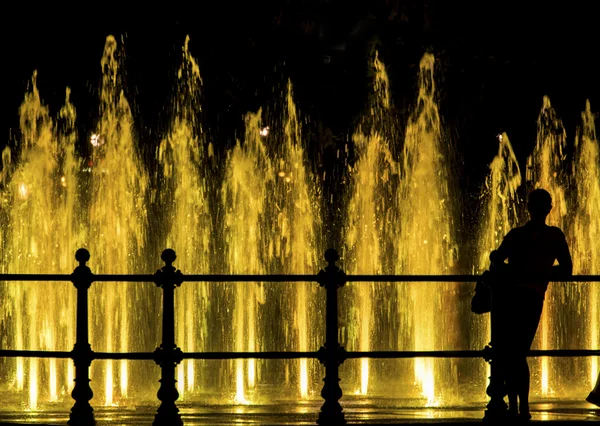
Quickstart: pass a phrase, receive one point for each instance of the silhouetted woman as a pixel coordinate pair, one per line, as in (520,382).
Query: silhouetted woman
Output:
(531,251)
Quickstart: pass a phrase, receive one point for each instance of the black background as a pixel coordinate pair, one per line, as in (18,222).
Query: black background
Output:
(494,62)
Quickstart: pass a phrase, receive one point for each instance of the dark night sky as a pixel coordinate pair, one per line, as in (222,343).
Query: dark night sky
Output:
(495,61)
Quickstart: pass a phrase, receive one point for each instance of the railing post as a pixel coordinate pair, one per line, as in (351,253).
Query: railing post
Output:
(168,355)
(82,413)
(332,354)
(496,409)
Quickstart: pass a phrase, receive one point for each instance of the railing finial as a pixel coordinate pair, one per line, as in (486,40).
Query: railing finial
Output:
(82,256)
(331,256)
(168,256)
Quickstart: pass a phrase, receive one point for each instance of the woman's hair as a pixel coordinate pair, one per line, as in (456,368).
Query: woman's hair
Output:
(539,202)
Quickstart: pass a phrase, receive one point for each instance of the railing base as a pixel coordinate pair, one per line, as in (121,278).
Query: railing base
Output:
(82,414)
(331,414)
(167,416)
(496,411)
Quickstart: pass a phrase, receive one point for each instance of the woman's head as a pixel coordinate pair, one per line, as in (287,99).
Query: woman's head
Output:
(539,203)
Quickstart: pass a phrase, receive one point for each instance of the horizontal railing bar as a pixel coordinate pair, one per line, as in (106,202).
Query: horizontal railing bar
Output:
(444,278)
(469,353)
(124,355)
(249,355)
(415,354)
(266,278)
(36,277)
(68,277)
(10,353)
(564,352)
(133,278)
(412,278)
(249,278)
(355,278)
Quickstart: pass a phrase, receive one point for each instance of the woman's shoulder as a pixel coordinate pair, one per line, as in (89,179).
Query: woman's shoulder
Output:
(556,232)
(530,228)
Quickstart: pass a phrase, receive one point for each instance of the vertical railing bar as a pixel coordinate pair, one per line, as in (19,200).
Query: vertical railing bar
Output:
(332,354)
(82,413)
(168,355)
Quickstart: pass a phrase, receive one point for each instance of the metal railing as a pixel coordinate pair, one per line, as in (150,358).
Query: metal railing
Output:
(168,355)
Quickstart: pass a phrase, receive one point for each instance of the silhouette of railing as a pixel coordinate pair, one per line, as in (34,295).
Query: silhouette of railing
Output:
(168,355)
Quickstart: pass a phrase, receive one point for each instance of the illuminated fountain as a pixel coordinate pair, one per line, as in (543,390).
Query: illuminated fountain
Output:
(403,227)
(182,156)
(297,247)
(584,236)
(244,196)
(118,223)
(42,193)
(425,241)
(546,169)
(271,226)
(500,214)
(369,226)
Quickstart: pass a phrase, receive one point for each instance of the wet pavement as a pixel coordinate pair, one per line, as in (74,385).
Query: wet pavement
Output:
(359,412)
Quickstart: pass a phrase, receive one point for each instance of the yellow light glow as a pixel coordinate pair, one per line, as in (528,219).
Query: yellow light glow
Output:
(240,398)
(124,375)
(23,190)
(108,384)
(180,381)
(96,140)
(364,376)
(52,380)
(33,384)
